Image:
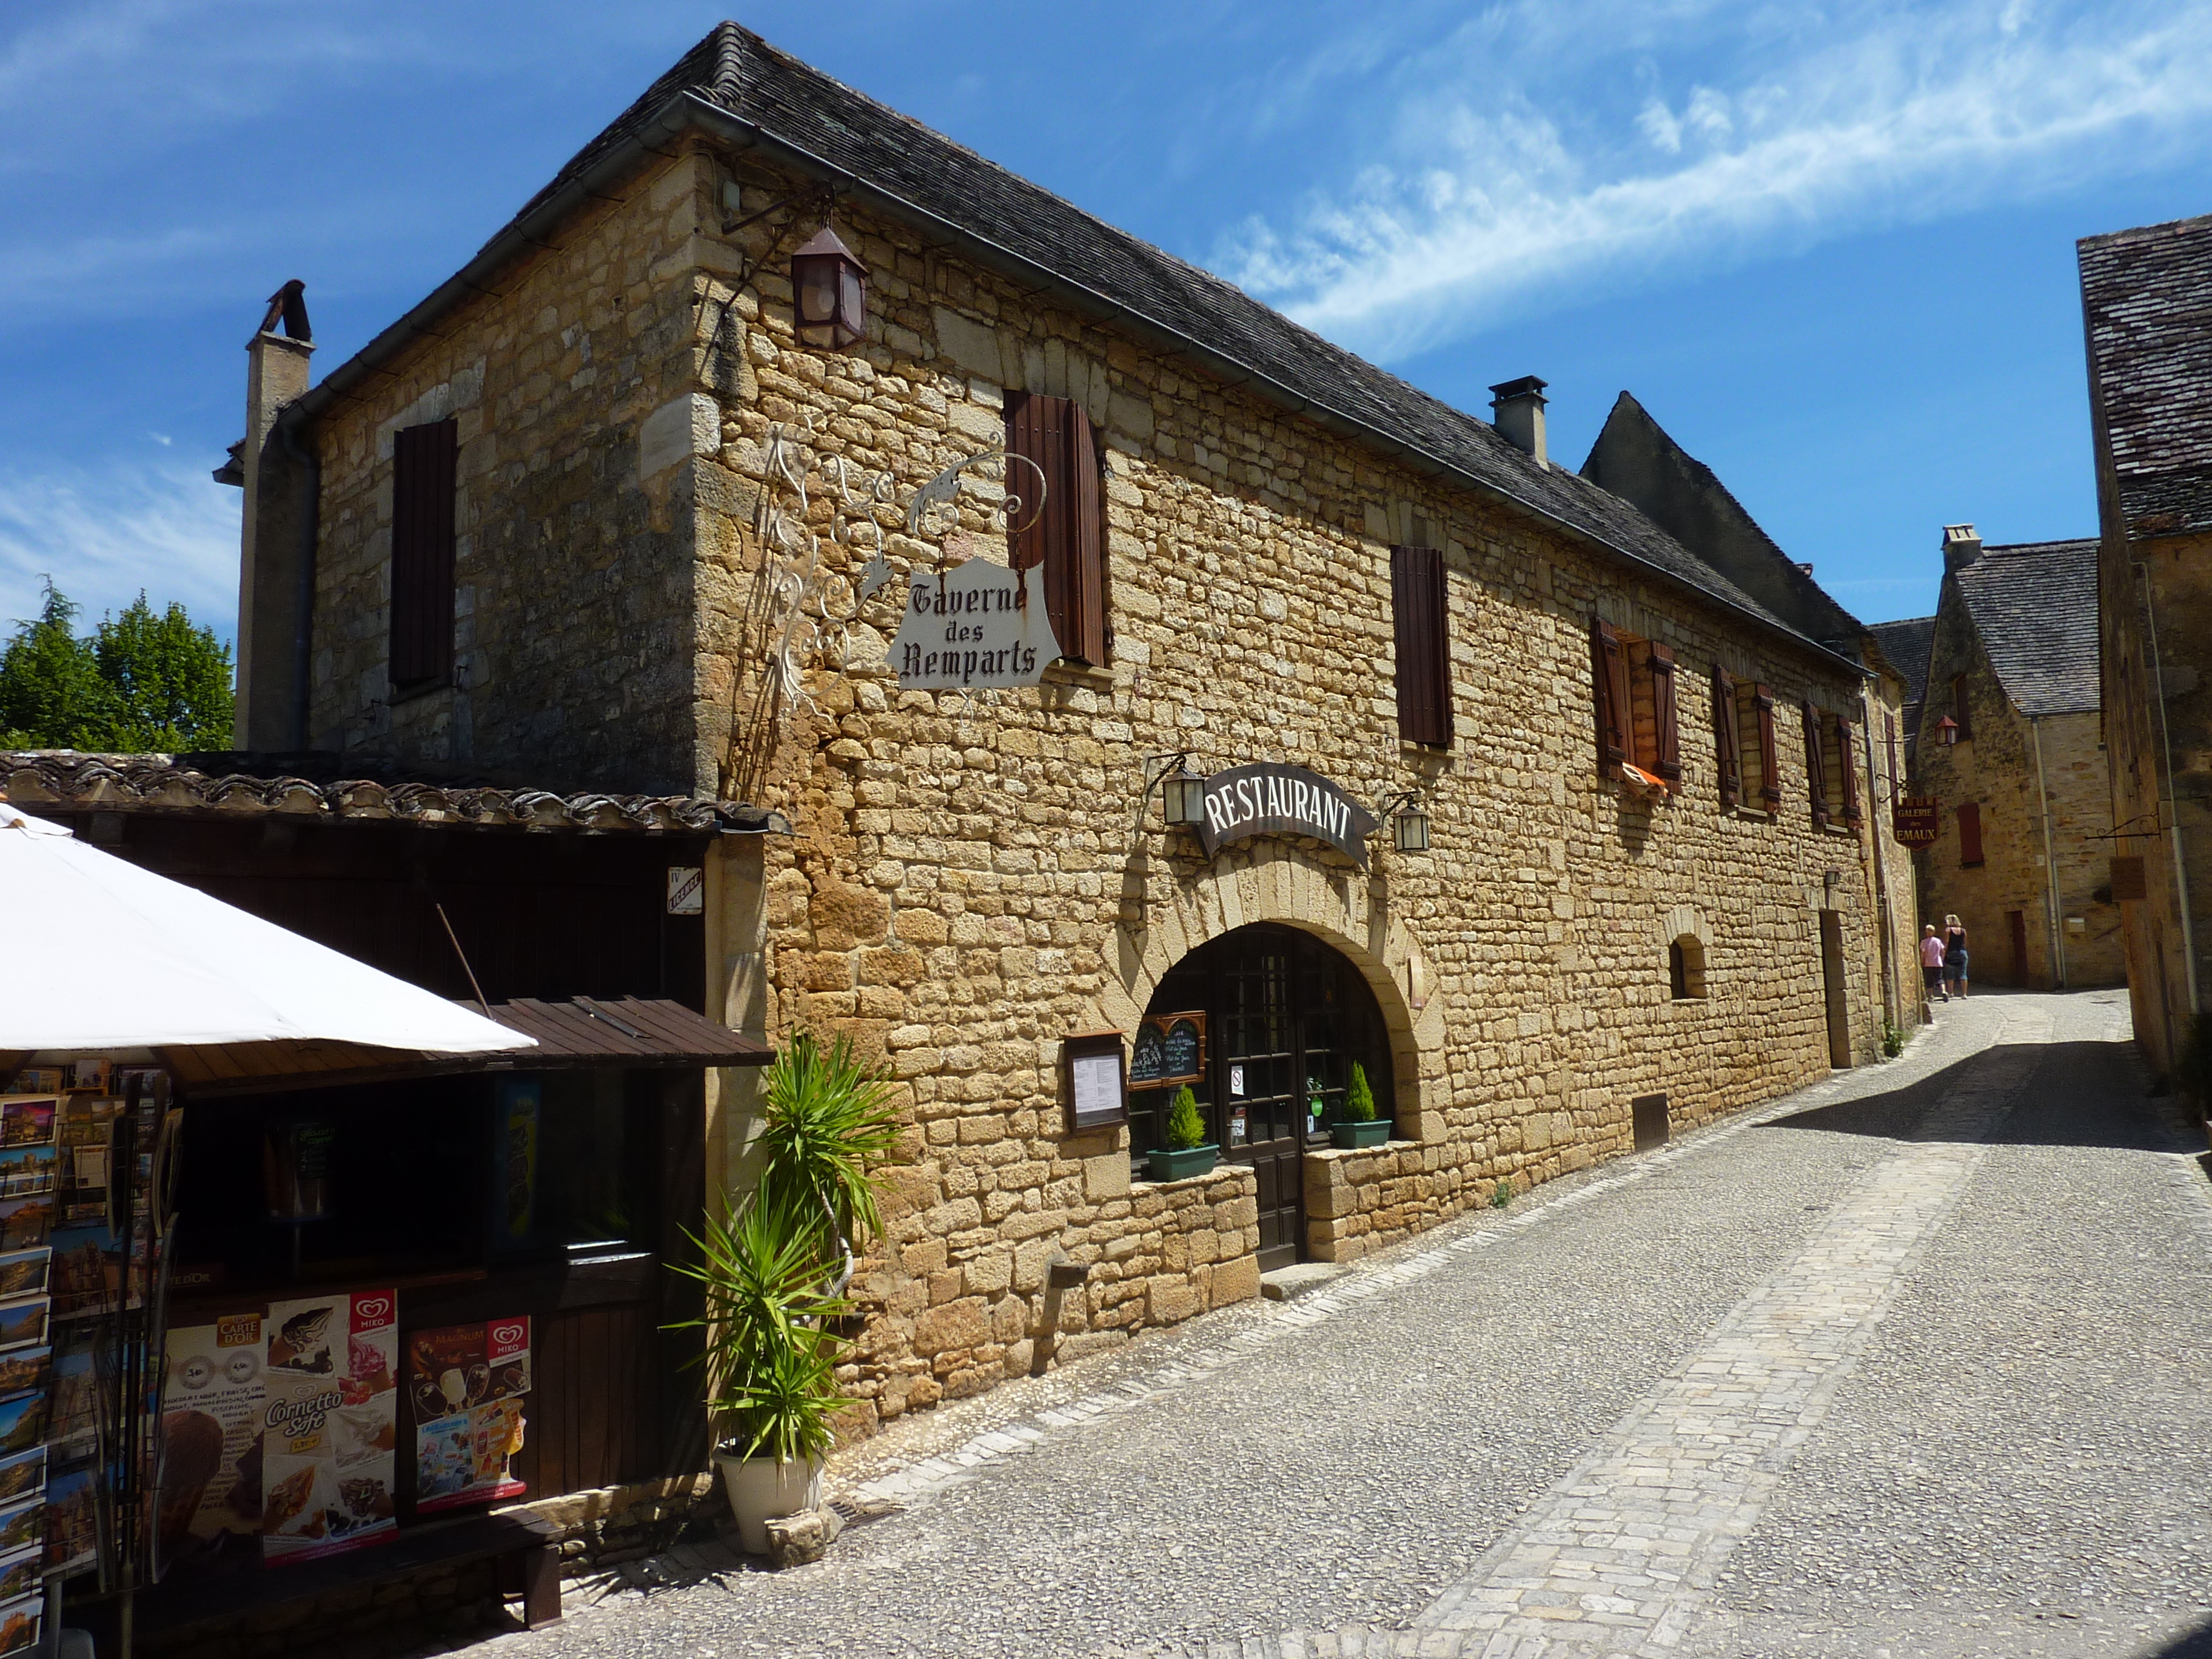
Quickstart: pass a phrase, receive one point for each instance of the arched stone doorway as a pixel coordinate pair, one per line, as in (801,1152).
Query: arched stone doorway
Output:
(1284,1017)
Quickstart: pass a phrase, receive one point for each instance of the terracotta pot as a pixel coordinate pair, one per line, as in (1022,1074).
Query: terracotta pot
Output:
(761,1489)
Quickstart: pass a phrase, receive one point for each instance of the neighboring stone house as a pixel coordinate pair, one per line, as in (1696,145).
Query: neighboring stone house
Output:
(551,522)
(2011,745)
(1905,644)
(2146,298)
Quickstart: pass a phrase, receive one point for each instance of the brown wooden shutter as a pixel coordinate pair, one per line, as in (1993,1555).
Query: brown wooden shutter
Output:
(422,479)
(1727,749)
(1609,672)
(1816,767)
(1847,755)
(1667,747)
(1889,738)
(1770,775)
(1067,537)
(1418,612)
(1961,710)
(1970,833)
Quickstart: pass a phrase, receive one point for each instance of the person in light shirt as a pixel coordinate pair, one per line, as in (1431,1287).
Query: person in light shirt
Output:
(1931,963)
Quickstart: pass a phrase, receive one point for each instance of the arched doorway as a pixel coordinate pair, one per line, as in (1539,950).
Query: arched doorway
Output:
(1284,1018)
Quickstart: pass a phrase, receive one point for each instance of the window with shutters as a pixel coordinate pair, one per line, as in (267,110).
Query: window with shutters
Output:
(1063,539)
(1970,834)
(1727,740)
(1743,726)
(1634,685)
(1961,708)
(1844,768)
(1816,765)
(1421,619)
(1763,779)
(422,483)
(1889,745)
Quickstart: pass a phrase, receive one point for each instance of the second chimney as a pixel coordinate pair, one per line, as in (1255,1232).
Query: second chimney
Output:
(1518,406)
(1961,547)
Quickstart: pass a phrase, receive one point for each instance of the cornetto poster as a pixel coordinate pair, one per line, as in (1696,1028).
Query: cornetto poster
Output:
(330,1424)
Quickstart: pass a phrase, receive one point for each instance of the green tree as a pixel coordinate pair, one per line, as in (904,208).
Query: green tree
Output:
(140,682)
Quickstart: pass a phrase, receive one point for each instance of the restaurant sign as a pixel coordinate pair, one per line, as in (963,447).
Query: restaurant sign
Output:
(1267,798)
(976,626)
(1918,821)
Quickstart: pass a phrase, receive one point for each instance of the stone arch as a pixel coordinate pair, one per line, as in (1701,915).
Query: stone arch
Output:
(1343,907)
(1687,941)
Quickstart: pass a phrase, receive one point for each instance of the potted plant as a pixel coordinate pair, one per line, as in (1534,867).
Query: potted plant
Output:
(1187,1152)
(1358,1125)
(773,1271)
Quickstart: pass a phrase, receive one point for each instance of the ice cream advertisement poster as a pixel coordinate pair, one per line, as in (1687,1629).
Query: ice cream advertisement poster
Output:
(330,1425)
(466,1383)
(210,1508)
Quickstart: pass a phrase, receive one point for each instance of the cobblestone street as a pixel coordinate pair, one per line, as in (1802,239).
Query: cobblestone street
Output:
(1916,1361)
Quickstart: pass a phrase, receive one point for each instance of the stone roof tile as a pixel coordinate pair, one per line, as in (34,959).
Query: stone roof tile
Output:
(2146,299)
(2034,604)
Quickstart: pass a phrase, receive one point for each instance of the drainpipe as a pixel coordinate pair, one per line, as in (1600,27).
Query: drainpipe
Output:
(2050,862)
(2172,810)
(1890,998)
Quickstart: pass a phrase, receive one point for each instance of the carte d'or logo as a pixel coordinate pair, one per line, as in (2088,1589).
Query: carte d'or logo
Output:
(238,1330)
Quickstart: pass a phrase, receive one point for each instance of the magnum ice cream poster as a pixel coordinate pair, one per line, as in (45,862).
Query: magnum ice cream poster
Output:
(330,1425)
(466,1383)
(210,1508)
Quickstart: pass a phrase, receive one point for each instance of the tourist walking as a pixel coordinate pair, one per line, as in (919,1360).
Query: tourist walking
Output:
(1954,957)
(1931,963)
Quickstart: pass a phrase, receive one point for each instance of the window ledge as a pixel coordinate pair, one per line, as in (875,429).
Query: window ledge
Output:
(420,689)
(1682,1002)
(1065,672)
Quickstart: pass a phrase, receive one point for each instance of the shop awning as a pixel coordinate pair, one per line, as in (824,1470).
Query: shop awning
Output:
(579,1033)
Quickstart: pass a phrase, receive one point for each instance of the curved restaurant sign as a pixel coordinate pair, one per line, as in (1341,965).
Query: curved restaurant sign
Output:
(1267,798)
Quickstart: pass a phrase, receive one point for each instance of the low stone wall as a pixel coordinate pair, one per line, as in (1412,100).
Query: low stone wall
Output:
(606,1526)
(1176,1250)
(1358,1201)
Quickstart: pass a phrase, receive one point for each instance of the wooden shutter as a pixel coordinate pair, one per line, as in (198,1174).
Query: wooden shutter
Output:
(422,477)
(1727,749)
(1816,767)
(1889,739)
(1667,747)
(1419,607)
(1847,767)
(1067,537)
(1970,833)
(1961,711)
(1770,776)
(1609,673)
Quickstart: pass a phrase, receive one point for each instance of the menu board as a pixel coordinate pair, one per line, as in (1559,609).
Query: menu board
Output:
(1169,1048)
(466,1383)
(330,1424)
(210,1508)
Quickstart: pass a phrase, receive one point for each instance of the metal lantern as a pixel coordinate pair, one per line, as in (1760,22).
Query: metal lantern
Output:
(1182,795)
(1947,731)
(1409,829)
(828,292)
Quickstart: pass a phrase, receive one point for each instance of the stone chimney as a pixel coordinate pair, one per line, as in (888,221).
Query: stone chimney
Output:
(1961,547)
(271,548)
(1518,407)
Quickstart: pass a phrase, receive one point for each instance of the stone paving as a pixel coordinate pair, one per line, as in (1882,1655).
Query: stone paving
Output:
(1918,1361)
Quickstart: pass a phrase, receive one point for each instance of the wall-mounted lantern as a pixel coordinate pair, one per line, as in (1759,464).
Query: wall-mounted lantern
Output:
(1947,731)
(828,292)
(1182,795)
(1409,823)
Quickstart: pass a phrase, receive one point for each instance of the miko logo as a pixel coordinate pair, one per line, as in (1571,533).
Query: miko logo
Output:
(512,1333)
(370,1312)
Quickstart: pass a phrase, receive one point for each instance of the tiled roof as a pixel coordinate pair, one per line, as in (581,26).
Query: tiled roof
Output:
(2147,296)
(2034,604)
(66,780)
(1906,645)
(734,84)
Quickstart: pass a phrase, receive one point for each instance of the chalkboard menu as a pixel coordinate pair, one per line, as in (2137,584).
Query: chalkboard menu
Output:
(1171,1048)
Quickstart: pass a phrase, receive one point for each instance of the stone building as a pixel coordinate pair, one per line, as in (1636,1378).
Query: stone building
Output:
(2011,744)
(2145,296)
(595,512)
(1907,644)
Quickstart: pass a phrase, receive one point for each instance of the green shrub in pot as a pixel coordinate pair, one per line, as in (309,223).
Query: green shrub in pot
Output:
(1358,1125)
(1187,1152)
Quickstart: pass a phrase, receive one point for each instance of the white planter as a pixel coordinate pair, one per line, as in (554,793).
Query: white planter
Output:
(761,1490)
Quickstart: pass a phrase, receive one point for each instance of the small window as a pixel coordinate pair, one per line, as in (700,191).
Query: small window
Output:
(1685,968)
(1754,728)
(1960,710)
(1970,834)
(1633,683)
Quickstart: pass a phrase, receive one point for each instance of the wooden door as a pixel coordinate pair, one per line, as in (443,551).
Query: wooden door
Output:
(1832,978)
(2016,930)
(1259,1091)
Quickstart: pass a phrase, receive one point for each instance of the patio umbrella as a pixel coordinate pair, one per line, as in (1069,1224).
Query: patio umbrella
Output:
(97,955)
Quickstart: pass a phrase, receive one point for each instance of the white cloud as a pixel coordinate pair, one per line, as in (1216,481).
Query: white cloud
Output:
(1517,184)
(103,536)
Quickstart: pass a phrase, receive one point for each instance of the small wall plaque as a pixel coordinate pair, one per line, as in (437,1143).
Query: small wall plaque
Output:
(1094,1082)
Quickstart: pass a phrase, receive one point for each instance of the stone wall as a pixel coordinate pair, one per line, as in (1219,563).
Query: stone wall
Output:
(573,600)
(1995,769)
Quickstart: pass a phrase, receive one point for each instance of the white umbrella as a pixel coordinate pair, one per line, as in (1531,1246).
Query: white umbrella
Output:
(96,954)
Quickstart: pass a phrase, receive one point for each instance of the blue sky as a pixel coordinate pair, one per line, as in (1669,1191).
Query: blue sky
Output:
(1829,246)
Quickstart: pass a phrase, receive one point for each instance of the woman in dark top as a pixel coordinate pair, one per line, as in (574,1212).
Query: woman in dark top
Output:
(1954,956)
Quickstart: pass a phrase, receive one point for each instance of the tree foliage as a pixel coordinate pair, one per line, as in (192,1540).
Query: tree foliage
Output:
(139,682)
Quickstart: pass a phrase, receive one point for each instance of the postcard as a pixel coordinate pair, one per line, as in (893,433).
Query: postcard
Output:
(23,1273)
(24,1523)
(20,1621)
(28,1120)
(72,1522)
(23,1474)
(22,1423)
(25,1222)
(19,1571)
(74,1401)
(25,1171)
(22,1322)
(23,1370)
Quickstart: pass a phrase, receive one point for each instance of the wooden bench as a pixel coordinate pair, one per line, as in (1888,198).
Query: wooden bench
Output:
(522,1548)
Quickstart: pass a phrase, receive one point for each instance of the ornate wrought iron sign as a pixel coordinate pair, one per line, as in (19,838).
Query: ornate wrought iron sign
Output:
(1268,799)
(1918,821)
(977,626)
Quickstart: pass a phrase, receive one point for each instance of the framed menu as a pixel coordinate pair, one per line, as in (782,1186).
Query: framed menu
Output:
(1096,1088)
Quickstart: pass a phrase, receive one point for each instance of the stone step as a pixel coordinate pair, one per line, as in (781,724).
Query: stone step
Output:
(1300,1278)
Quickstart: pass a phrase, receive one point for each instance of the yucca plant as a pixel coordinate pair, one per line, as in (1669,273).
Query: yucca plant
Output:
(771,1359)
(829,1125)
